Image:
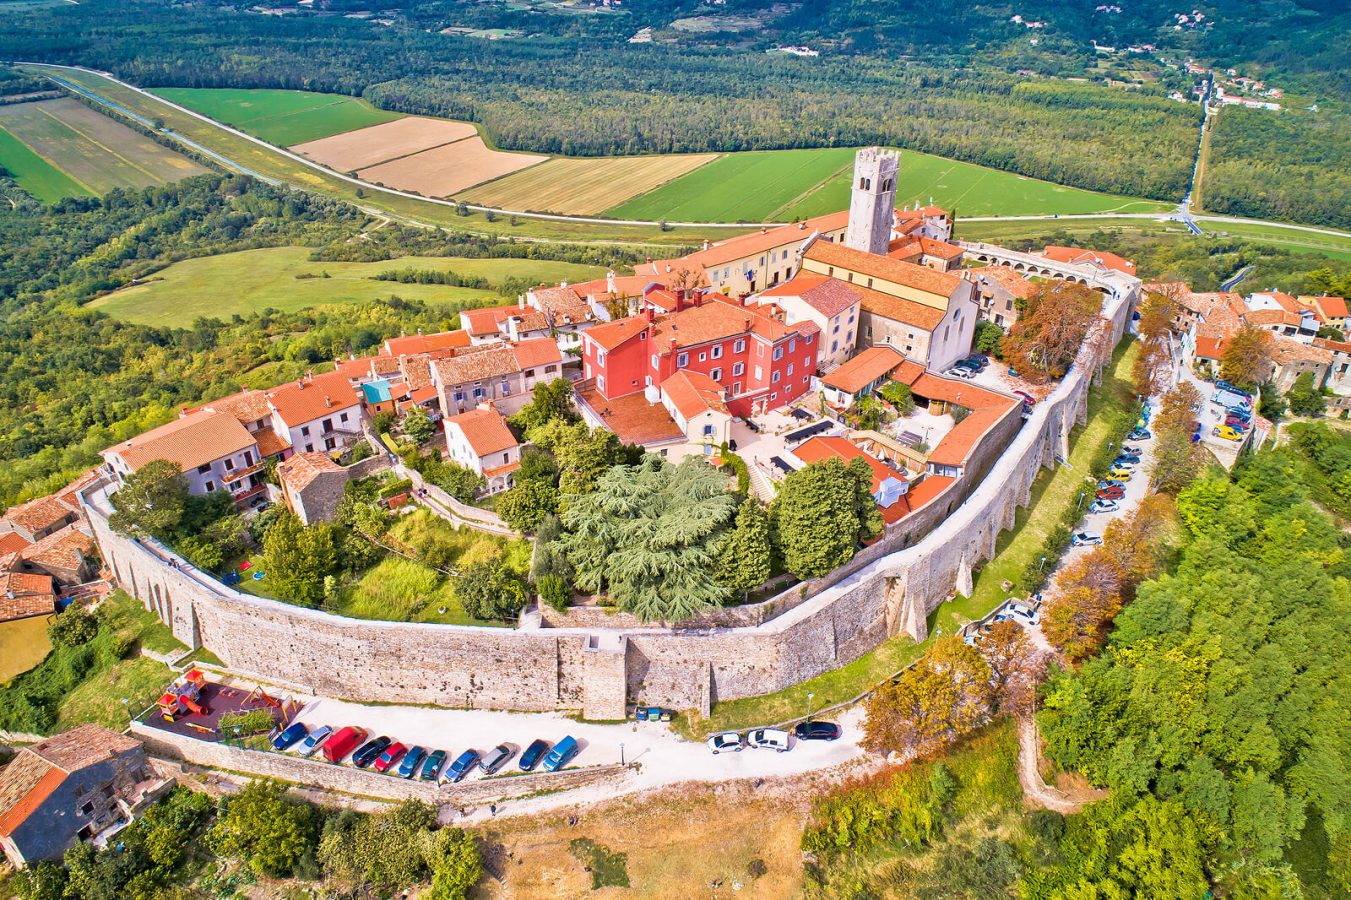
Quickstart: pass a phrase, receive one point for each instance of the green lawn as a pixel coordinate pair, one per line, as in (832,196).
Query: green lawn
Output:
(779,185)
(113,695)
(129,618)
(34,174)
(280,117)
(253,280)
(1051,492)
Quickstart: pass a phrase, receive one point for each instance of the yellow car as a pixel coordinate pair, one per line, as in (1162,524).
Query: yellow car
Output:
(1226,432)
(1120,474)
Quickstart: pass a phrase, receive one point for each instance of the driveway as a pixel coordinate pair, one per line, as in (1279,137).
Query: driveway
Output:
(662,757)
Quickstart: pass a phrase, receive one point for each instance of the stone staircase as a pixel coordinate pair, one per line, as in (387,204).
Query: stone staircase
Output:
(760,483)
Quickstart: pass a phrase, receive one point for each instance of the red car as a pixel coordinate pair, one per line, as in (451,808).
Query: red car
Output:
(392,755)
(1111,493)
(343,742)
(1025,397)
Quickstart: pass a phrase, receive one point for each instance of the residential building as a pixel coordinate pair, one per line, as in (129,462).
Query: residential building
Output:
(1282,315)
(829,303)
(67,556)
(409,345)
(480,440)
(1339,368)
(999,291)
(312,484)
(616,296)
(503,373)
(860,376)
(567,313)
(925,251)
(317,412)
(38,518)
(496,324)
(84,784)
(213,449)
(929,316)
(1331,311)
(889,487)
(759,361)
(1291,359)
(1100,259)
(24,594)
(696,404)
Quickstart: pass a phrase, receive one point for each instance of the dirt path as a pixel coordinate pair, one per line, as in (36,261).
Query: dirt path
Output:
(1038,792)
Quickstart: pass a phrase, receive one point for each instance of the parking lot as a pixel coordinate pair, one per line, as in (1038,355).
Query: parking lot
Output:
(1211,415)
(663,757)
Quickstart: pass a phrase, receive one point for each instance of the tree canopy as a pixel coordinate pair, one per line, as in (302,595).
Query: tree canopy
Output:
(820,514)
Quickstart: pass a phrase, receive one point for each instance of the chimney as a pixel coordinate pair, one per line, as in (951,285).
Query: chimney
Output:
(764,231)
(707,244)
(668,268)
(300,385)
(650,316)
(610,281)
(671,344)
(679,299)
(309,374)
(328,401)
(801,226)
(747,326)
(563,284)
(520,301)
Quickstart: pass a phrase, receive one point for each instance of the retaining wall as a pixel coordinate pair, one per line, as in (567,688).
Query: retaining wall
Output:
(363,783)
(889,588)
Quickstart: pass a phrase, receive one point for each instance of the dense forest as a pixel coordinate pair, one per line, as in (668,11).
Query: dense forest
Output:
(1293,165)
(73,381)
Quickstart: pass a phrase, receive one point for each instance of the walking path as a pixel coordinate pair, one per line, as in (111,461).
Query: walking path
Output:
(1036,791)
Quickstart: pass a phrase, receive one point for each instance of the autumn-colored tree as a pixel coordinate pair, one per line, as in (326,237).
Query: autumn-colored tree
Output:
(935,702)
(1051,329)
(1153,366)
(1177,461)
(1015,665)
(1175,408)
(1248,356)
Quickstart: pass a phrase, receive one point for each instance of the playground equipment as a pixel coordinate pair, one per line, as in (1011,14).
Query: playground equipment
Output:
(184,696)
(289,707)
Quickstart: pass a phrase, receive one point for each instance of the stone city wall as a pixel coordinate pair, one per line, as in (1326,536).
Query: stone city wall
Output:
(883,592)
(361,782)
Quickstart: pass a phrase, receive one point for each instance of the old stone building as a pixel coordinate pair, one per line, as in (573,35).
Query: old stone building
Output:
(312,485)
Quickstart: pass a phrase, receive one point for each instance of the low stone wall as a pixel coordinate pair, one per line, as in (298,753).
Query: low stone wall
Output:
(361,782)
(598,665)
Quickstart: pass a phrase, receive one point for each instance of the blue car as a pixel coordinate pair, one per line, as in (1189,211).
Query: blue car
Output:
(408,768)
(562,754)
(533,754)
(290,736)
(462,765)
(431,769)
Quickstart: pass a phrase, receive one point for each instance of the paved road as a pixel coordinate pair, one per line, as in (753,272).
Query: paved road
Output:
(585,220)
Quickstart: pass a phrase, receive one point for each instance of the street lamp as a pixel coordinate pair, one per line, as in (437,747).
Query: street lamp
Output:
(1041,564)
(621,753)
(810,695)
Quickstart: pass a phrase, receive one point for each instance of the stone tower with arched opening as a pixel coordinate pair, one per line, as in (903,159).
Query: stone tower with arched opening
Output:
(872,205)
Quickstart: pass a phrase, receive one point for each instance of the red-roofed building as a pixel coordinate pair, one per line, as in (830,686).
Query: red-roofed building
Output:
(889,487)
(1331,311)
(998,292)
(1101,259)
(495,373)
(860,376)
(760,362)
(696,404)
(480,440)
(830,303)
(411,344)
(312,485)
(504,323)
(213,449)
(317,412)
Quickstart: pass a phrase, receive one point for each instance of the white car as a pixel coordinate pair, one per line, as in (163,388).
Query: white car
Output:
(725,742)
(1104,506)
(314,740)
(960,372)
(1085,539)
(768,739)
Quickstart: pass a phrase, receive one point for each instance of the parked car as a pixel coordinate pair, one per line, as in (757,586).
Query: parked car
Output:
(315,740)
(1236,423)
(725,742)
(431,769)
(462,765)
(768,739)
(561,754)
(1140,434)
(1133,458)
(1133,449)
(1120,474)
(1025,397)
(1022,614)
(976,362)
(495,758)
(1085,539)
(652,714)
(390,757)
(411,760)
(343,742)
(1224,385)
(370,751)
(1111,493)
(1110,482)
(1226,433)
(288,737)
(1104,506)
(532,755)
(817,731)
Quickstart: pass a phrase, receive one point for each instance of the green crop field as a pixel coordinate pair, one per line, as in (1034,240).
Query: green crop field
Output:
(780,185)
(253,280)
(755,186)
(34,174)
(284,118)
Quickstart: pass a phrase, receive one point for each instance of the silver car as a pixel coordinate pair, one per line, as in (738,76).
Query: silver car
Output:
(725,742)
(768,739)
(314,740)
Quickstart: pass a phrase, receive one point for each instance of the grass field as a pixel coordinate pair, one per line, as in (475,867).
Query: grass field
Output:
(34,174)
(446,170)
(23,644)
(1052,492)
(366,147)
(252,280)
(281,117)
(779,185)
(92,150)
(583,186)
(756,186)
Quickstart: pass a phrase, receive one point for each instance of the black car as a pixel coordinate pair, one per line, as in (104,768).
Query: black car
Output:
(533,754)
(817,731)
(370,751)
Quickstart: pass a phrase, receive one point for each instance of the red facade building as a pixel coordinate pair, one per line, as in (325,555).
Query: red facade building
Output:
(760,362)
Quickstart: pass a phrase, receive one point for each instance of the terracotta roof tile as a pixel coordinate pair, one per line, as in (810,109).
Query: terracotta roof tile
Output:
(632,418)
(561,305)
(760,241)
(12,542)
(65,549)
(535,352)
(624,286)
(269,443)
(313,397)
(425,343)
(1005,277)
(899,309)
(863,369)
(940,284)
(485,430)
(301,469)
(246,406)
(23,595)
(819,449)
(1080,256)
(694,393)
(828,296)
(615,334)
(191,441)
(39,515)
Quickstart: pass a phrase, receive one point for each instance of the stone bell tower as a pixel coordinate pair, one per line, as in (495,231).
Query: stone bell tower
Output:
(872,205)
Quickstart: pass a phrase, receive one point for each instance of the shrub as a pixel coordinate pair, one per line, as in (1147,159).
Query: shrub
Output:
(243,724)
(554,591)
(73,627)
(395,487)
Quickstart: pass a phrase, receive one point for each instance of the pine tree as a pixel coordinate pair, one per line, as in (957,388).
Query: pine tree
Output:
(743,558)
